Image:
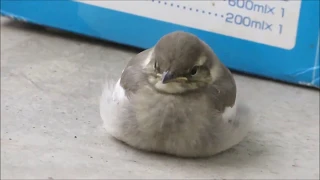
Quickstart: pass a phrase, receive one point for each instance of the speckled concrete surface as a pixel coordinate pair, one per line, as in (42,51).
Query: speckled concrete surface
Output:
(51,128)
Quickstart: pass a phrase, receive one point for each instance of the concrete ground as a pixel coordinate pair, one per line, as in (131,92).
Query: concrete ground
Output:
(51,128)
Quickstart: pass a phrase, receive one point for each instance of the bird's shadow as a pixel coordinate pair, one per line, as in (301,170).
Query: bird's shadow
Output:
(246,153)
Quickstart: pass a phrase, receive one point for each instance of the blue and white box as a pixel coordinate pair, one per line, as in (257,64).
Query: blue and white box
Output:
(276,39)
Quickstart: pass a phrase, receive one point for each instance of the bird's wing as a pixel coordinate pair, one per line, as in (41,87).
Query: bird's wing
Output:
(116,96)
(132,77)
(236,120)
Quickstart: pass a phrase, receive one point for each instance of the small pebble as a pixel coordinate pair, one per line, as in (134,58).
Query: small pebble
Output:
(75,136)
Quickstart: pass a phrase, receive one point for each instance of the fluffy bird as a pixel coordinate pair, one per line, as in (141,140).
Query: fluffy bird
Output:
(175,98)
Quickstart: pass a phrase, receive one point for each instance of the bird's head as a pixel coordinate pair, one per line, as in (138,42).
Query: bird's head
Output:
(180,62)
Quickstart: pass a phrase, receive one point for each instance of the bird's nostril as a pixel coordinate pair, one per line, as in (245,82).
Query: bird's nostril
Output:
(166,77)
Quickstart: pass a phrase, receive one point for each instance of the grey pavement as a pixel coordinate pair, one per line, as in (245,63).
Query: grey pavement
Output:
(51,128)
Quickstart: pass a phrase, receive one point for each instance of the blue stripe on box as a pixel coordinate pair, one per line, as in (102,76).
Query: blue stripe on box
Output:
(295,66)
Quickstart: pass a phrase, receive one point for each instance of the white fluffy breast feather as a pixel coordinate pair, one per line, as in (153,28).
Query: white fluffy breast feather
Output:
(113,97)
(230,112)
(237,122)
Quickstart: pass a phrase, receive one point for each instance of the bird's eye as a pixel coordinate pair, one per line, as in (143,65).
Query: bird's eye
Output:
(194,70)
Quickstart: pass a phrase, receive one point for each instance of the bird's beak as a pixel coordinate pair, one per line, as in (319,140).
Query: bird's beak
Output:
(166,77)
(169,77)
